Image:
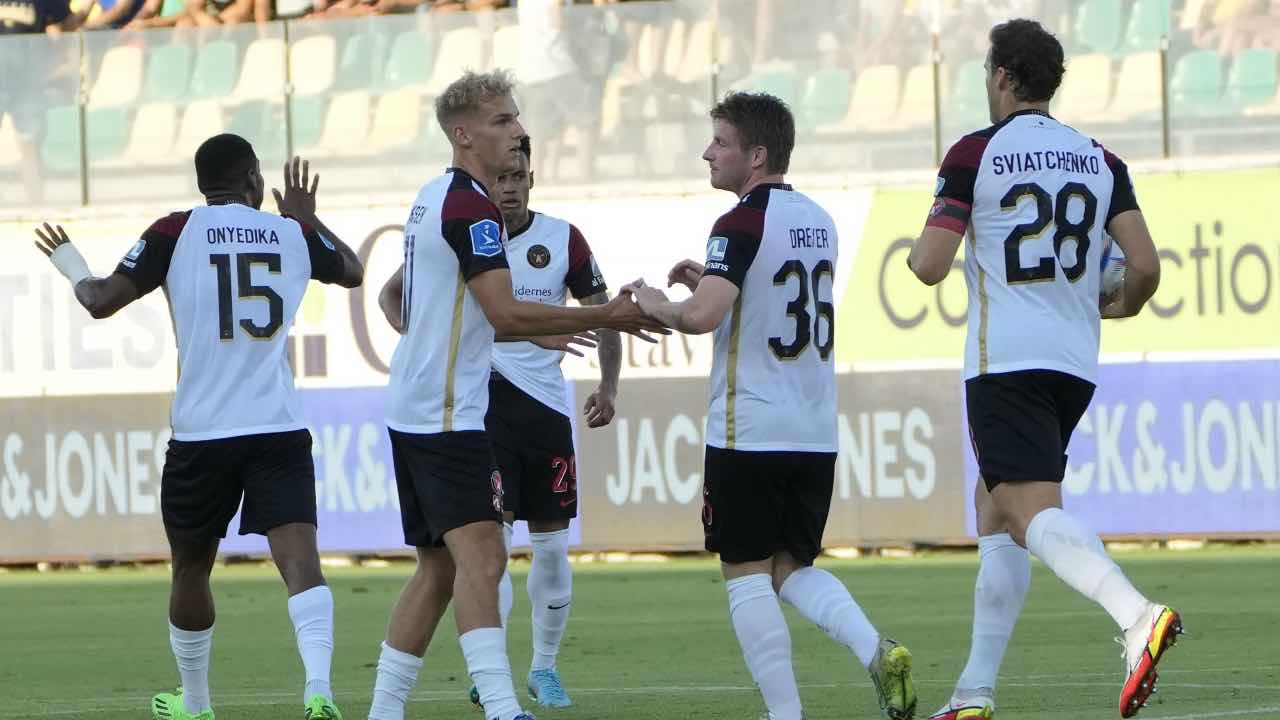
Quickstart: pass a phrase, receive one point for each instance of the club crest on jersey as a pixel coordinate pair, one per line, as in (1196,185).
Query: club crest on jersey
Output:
(539,256)
(937,188)
(131,258)
(486,238)
(716,247)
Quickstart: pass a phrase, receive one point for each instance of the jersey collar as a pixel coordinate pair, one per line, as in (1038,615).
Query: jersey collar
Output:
(1028,111)
(765,187)
(513,234)
(469,176)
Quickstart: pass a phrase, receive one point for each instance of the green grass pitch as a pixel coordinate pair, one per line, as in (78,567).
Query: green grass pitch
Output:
(650,641)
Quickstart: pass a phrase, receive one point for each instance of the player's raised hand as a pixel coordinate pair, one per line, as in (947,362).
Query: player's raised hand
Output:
(299,198)
(599,409)
(567,343)
(646,296)
(51,239)
(686,273)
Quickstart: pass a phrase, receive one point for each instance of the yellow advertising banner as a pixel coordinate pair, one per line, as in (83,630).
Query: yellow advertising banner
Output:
(1219,290)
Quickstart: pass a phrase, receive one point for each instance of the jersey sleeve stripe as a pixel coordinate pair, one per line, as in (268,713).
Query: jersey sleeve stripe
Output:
(455,337)
(949,214)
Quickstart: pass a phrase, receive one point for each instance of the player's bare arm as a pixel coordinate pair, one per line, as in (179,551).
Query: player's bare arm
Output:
(564,343)
(102,297)
(599,408)
(391,299)
(1142,271)
(511,317)
(933,254)
(299,202)
(712,299)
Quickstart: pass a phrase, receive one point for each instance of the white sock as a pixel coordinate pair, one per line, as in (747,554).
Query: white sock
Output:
(397,674)
(1004,574)
(485,650)
(1075,553)
(824,601)
(766,643)
(312,615)
(506,596)
(550,589)
(192,648)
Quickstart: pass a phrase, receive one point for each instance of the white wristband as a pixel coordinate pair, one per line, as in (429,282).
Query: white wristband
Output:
(70,263)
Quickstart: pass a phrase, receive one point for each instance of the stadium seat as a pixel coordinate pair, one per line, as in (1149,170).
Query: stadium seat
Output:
(168,72)
(306,117)
(346,126)
(779,82)
(152,136)
(826,98)
(461,48)
(9,152)
(1086,88)
(1252,80)
(1137,88)
(1196,84)
(506,47)
(363,61)
(1098,24)
(215,72)
(60,149)
(1148,22)
(876,94)
(411,61)
(119,78)
(916,109)
(648,50)
(201,120)
(397,120)
(966,106)
(261,122)
(262,75)
(312,61)
(677,41)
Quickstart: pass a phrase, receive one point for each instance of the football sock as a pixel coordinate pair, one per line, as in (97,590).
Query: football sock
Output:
(397,674)
(824,601)
(312,615)
(485,650)
(1004,574)
(1075,554)
(766,643)
(191,648)
(550,592)
(506,596)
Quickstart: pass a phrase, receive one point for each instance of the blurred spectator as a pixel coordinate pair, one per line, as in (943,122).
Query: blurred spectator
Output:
(24,84)
(1230,26)
(160,13)
(455,5)
(114,15)
(562,69)
(212,13)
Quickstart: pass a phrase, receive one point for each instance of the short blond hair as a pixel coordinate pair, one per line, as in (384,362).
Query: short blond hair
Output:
(465,94)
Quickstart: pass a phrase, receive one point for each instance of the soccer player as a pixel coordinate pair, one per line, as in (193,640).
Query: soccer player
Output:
(528,418)
(234,277)
(1035,198)
(766,292)
(451,296)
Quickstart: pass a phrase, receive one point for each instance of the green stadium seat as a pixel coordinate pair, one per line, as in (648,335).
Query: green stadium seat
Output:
(826,97)
(1147,24)
(261,122)
(1196,84)
(307,116)
(173,7)
(410,62)
(1252,79)
(61,147)
(216,70)
(108,131)
(1098,24)
(967,104)
(363,59)
(168,72)
(781,83)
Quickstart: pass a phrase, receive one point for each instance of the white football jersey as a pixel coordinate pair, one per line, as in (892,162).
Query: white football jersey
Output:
(1035,197)
(549,259)
(773,381)
(234,278)
(440,369)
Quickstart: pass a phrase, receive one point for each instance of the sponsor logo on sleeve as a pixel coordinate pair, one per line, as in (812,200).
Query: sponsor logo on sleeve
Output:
(937,188)
(130,259)
(716,247)
(486,238)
